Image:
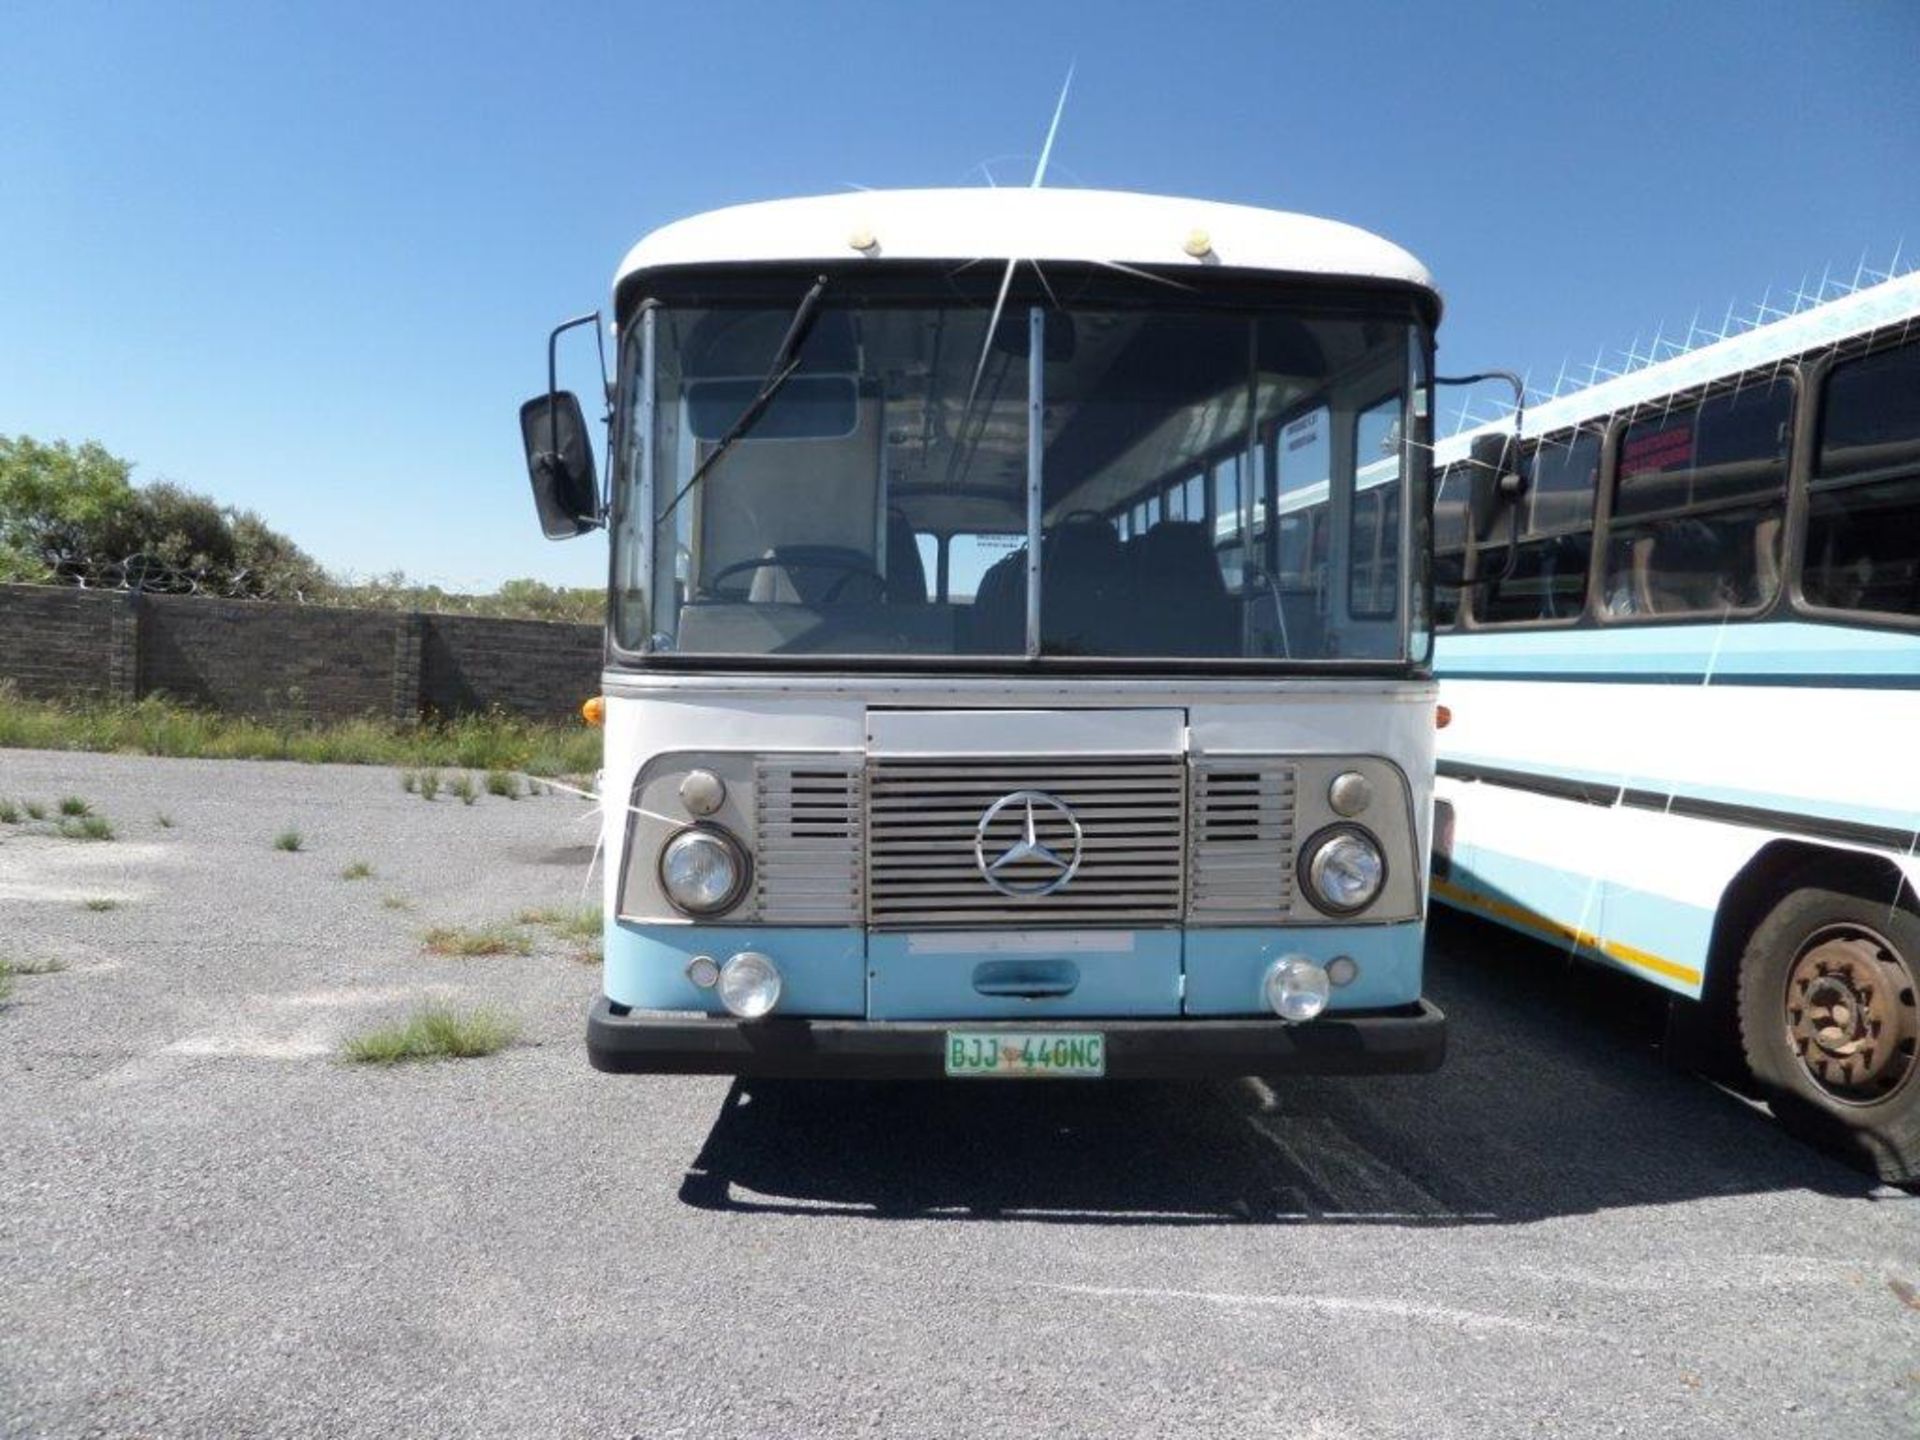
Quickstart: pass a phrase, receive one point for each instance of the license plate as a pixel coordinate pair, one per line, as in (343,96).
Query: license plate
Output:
(1017,1055)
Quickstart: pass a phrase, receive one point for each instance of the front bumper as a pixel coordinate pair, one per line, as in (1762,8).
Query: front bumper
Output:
(1404,1041)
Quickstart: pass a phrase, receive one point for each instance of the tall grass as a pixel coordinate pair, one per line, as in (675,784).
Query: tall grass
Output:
(154,726)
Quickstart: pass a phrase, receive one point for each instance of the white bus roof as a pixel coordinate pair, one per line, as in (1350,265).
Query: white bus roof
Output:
(987,224)
(1818,327)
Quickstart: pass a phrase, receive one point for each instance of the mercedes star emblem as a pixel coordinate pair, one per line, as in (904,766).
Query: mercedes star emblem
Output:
(1055,868)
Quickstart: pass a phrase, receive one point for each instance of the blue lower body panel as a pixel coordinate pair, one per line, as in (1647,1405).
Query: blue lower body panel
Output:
(1226,968)
(822,972)
(845,973)
(941,976)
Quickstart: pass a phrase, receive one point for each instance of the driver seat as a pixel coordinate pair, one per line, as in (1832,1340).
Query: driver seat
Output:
(814,575)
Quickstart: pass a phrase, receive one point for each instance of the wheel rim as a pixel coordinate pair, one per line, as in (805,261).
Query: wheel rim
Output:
(1850,1013)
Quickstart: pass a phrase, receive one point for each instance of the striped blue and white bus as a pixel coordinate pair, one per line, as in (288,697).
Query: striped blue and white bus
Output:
(1683,666)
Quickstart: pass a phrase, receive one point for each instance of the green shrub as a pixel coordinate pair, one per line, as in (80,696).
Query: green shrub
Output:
(464,787)
(503,784)
(429,782)
(288,840)
(86,827)
(9,813)
(74,805)
(358,870)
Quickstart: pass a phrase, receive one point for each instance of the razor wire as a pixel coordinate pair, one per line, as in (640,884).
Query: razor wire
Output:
(143,573)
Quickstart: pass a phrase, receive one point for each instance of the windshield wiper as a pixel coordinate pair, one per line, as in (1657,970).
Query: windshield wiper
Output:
(786,360)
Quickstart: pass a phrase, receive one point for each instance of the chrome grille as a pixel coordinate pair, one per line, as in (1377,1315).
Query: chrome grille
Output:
(807,832)
(1240,865)
(923,815)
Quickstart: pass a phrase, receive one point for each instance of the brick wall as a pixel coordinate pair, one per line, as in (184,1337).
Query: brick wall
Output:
(257,658)
(529,667)
(247,656)
(57,641)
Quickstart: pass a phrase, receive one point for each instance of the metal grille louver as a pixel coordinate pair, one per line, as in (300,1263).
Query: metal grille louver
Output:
(1240,866)
(923,815)
(806,863)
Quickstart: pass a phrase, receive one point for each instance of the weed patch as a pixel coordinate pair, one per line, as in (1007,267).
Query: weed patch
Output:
(464,787)
(358,870)
(428,782)
(74,805)
(9,813)
(503,784)
(43,965)
(99,903)
(581,924)
(477,940)
(86,827)
(432,1034)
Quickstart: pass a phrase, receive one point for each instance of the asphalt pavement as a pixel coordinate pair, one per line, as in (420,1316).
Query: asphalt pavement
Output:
(210,1226)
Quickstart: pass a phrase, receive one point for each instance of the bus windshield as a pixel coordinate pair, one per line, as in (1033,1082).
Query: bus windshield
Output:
(1191,487)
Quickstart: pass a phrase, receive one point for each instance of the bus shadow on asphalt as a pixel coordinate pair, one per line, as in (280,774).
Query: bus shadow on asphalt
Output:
(1554,1100)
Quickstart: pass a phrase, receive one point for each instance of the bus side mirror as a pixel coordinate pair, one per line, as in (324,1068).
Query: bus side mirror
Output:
(1496,484)
(566,490)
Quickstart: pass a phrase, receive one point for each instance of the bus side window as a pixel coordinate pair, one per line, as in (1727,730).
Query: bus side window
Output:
(1698,505)
(1863,505)
(1548,580)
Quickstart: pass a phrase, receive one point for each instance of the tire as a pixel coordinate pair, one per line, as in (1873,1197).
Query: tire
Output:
(1829,1026)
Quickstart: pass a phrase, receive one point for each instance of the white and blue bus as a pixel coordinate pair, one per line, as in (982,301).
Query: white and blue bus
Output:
(967,711)
(1683,667)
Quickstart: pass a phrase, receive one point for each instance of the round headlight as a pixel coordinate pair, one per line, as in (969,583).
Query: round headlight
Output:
(1297,989)
(703,871)
(1343,869)
(749,985)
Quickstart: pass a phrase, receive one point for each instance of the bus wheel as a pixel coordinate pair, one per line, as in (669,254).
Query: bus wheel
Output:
(1830,1028)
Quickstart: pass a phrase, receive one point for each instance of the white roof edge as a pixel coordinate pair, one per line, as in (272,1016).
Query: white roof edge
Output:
(1870,308)
(1069,226)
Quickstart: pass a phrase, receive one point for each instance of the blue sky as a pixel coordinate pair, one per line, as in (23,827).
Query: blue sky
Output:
(305,258)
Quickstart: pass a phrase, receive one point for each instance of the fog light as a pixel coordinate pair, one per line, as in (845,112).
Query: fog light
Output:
(704,971)
(1297,989)
(1343,970)
(750,985)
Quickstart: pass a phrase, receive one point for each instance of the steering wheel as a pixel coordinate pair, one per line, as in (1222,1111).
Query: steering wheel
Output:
(760,562)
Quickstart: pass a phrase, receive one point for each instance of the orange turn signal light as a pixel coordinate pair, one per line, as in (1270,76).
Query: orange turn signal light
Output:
(594,711)
(1442,716)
